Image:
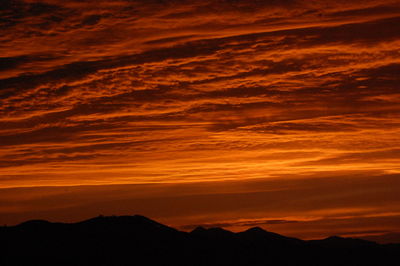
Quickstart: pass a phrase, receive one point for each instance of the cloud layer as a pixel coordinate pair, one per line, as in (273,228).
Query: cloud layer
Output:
(176,92)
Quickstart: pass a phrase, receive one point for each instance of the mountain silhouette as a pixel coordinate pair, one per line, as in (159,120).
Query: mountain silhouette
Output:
(137,240)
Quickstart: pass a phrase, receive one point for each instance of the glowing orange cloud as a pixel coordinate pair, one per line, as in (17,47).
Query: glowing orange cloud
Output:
(183,98)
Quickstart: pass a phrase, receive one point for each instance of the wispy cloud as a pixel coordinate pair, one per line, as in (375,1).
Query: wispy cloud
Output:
(174,92)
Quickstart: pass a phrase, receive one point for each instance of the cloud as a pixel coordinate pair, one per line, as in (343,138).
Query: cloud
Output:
(124,93)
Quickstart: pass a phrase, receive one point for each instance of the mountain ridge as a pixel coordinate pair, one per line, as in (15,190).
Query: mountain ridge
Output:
(132,240)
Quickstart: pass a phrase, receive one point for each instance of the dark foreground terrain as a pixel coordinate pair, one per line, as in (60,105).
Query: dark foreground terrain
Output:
(137,240)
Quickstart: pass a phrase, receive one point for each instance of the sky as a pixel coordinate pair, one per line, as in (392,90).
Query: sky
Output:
(283,114)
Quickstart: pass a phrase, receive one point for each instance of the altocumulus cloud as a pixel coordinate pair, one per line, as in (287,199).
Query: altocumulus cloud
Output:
(170,93)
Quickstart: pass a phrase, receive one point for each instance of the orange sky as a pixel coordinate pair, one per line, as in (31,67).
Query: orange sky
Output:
(281,114)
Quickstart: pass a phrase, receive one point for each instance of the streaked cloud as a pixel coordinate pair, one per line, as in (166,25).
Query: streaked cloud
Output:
(128,93)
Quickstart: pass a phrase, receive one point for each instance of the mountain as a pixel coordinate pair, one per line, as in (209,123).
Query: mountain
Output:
(137,240)
(342,242)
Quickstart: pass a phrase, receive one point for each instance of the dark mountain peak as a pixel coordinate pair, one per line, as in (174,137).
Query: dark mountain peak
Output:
(258,234)
(32,224)
(343,242)
(133,219)
(215,233)
(126,222)
(256,230)
(198,230)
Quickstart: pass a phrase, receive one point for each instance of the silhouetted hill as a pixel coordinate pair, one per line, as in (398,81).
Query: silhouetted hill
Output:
(257,234)
(342,242)
(212,233)
(137,240)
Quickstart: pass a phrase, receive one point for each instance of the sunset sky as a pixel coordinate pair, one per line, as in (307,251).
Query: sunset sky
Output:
(283,114)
